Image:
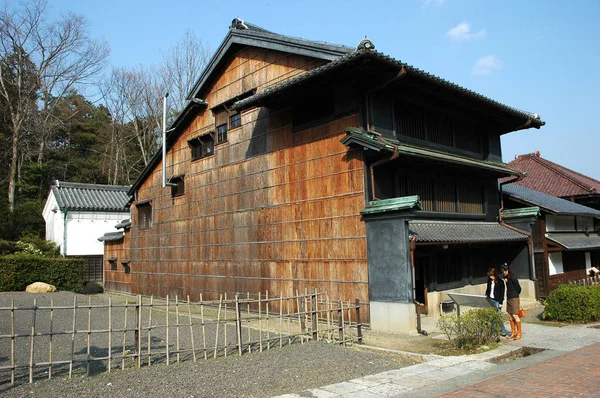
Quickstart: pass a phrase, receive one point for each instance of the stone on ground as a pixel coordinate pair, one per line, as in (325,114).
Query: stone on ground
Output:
(40,287)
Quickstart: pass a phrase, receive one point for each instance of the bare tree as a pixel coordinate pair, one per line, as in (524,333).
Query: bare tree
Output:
(57,56)
(181,67)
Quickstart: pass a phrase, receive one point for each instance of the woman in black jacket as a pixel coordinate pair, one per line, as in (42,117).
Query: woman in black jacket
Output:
(495,292)
(513,304)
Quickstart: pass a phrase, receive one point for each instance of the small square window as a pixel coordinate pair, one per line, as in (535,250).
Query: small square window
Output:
(144,215)
(202,146)
(235,120)
(179,188)
(221,133)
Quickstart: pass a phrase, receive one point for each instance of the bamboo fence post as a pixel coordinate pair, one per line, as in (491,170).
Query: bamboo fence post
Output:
(12,341)
(289,323)
(51,334)
(281,320)
(138,331)
(238,324)
(268,331)
(314,315)
(167,327)
(203,329)
(109,333)
(329,331)
(150,330)
(191,328)
(249,329)
(32,347)
(225,326)
(218,322)
(124,333)
(73,336)
(260,344)
(350,320)
(358,321)
(300,309)
(89,324)
(343,335)
(177,326)
(305,310)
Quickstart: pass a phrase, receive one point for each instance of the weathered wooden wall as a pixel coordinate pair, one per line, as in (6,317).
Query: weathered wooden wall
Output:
(115,276)
(272,209)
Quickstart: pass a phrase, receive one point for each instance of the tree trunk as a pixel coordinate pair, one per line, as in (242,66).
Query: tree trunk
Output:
(12,175)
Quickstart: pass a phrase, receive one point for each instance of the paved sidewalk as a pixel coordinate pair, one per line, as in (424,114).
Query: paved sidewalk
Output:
(445,374)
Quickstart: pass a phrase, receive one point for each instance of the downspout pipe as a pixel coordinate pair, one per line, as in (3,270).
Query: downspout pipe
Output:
(529,239)
(412,243)
(164,142)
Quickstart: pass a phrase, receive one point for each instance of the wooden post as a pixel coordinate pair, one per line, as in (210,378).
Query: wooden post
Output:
(51,333)
(289,321)
(167,336)
(260,344)
(177,326)
(343,324)
(340,314)
(238,324)
(358,321)
(329,331)
(31,350)
(138,331)
(124,334)
(281,320)
(89,335)
(301,323)
(12,341)
(249,329)
(109,333)
(225,328)
(73,336)
(217,329)
(203,330)
(268,332)
(150,330)
(314,315)
(191,328)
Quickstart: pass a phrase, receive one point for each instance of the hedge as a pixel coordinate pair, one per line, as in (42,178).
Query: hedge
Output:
(570,303)
(19,270)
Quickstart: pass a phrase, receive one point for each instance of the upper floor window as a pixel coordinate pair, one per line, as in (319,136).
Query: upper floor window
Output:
(221,133)
(202,146)
(235,120)
(144,215)
(178,187)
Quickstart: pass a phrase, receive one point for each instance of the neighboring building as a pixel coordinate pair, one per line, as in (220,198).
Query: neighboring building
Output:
(553,179)
(77,214)
(300,164)
(565,235)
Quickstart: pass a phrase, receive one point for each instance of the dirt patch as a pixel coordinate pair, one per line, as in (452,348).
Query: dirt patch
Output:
(523,352)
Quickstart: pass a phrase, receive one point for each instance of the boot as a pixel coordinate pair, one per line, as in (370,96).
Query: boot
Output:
(513,329)
(519,331)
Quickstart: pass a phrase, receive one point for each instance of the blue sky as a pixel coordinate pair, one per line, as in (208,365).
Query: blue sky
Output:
(540,56)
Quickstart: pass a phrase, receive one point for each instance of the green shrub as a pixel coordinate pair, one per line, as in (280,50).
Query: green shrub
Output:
(19,270)
(570,303)
(39,245)
(473,329)
(7,247)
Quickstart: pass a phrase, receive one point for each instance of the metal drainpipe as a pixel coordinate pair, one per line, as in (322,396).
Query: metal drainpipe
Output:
(65,232)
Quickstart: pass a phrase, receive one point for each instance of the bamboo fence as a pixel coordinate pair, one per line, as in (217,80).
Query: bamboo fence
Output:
(589,281)
(141,332)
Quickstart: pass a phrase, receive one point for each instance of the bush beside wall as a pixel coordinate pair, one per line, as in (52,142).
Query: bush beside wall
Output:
(570,303)
(473,329)
(19,270)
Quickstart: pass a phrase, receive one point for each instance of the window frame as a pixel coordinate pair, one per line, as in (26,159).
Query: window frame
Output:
(201,143)
(177,190)
(237,121)
(221,135)
(144,222)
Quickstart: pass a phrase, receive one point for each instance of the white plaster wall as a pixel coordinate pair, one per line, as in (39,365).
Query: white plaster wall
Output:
(560,223)
(555,263)
(84,229)
(588,262)
(54,221)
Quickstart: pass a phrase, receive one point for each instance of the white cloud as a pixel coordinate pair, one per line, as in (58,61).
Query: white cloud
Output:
(434,2)
(486,65)
(462,31)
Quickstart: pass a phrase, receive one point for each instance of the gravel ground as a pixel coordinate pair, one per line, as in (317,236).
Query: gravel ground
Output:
(277,371)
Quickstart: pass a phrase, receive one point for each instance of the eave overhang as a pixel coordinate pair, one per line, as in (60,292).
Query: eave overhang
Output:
(524,212)
(575,240)
(374,141)
(463,232)
(395,204)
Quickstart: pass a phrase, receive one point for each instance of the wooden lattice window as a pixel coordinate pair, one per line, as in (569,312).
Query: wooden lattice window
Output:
(144,215)
(235,120)
(202,146)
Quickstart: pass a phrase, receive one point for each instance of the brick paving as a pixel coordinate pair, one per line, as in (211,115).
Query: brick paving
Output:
(576,373)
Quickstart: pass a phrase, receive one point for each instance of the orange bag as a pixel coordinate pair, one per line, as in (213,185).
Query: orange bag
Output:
(522,313)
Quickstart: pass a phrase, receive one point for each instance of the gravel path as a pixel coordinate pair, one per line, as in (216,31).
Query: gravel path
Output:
(277,371)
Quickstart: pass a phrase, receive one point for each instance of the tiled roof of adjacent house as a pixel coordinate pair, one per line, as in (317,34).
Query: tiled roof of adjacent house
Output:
(463,232)
(576,240)
(112,236)
(90,197)
(548,202)
(551,178)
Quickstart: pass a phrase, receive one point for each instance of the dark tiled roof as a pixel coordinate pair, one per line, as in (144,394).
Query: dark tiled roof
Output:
(356,136)
(395,204)
(112,236)
(551,178)
(463,232)
(576,241)
(535,119)
(124,224)
(548,202)
(90,197)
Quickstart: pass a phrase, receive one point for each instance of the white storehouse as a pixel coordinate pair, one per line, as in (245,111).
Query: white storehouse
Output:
(77,214)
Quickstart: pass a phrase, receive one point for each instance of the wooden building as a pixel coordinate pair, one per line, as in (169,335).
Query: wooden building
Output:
(565,235)
(299,164)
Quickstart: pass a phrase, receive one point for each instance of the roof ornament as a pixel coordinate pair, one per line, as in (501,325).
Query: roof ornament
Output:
(239,24)
(365,44)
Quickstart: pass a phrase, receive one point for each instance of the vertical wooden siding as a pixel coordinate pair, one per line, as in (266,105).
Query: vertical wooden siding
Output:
(270,210)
